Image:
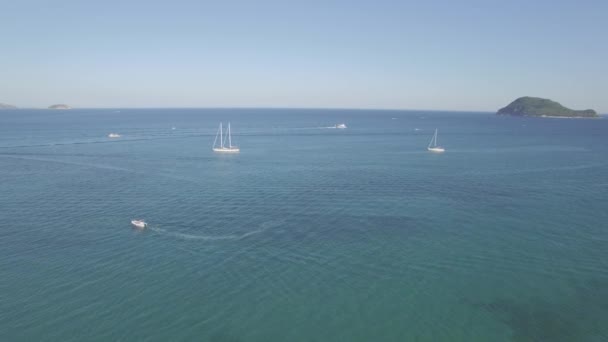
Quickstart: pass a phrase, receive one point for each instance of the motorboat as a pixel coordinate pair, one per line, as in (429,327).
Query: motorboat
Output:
(141,224)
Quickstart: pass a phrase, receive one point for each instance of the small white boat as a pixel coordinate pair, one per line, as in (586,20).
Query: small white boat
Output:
(433,147)
(141,224)
(341,126)
(113,135)
(223,147)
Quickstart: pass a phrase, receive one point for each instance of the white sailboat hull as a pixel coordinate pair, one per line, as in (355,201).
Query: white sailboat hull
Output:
(436,149)
(226,149)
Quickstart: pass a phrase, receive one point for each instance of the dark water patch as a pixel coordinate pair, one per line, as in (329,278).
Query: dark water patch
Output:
(535,321)
(594,292)
(581,317)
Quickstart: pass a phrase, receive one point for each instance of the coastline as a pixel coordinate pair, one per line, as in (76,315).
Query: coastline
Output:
(568,117)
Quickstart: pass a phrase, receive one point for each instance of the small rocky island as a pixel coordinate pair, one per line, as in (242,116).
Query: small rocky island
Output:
(60,106)
(536,106)
(7,106)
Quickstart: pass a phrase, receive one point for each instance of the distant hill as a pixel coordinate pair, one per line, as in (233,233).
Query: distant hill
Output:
(7,106)
(535,106)
(60,106)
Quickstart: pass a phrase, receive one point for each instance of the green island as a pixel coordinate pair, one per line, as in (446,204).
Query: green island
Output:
(6,106)
(60,106)
(536,106)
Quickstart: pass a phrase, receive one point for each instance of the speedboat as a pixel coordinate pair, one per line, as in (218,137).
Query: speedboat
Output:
(113,135)
(141,224)
(342,126)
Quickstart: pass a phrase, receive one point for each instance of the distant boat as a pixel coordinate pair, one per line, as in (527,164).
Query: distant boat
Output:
(113,135)
(223,147)
(433,147)
(341,126)
(141,224)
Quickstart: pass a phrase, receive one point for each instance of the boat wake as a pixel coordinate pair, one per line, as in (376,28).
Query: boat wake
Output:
(184,236)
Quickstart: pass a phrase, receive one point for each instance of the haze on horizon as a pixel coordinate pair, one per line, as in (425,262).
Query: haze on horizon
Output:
(443,55)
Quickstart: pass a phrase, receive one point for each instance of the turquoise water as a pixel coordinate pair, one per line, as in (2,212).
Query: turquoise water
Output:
(309,234)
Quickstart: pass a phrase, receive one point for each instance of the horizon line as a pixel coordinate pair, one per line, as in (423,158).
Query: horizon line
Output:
(278,108)
(269,108)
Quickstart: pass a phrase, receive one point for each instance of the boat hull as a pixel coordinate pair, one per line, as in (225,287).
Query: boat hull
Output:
(139,224)
(436,149)
(226,150)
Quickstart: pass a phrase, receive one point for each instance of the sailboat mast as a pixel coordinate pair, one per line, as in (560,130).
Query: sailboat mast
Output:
(221,136)
(435,136)
(229,136)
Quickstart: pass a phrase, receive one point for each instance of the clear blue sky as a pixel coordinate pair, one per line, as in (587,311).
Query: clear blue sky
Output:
(459,55)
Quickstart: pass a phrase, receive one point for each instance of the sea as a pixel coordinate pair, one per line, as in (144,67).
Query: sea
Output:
(310,233)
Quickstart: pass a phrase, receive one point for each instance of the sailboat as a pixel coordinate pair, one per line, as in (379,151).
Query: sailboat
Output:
(433,144)
(227,138)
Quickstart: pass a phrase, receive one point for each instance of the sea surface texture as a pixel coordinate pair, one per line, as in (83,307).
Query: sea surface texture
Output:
(311,233)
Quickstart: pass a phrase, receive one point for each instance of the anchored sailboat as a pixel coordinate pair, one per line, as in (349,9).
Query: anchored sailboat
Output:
(433,147)
(222,143)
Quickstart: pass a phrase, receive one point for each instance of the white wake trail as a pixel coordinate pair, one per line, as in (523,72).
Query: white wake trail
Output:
(265,226)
